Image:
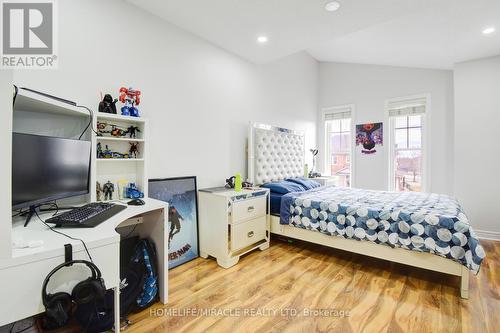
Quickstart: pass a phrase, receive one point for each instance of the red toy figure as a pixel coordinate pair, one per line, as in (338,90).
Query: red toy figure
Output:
(131,98)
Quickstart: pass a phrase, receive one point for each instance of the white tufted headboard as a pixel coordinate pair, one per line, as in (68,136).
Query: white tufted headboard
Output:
(274,153)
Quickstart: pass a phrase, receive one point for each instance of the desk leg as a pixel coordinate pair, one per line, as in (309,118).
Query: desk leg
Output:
(117,308)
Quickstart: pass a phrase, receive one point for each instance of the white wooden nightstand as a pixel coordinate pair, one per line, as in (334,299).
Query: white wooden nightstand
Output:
(324,180)
(232,223)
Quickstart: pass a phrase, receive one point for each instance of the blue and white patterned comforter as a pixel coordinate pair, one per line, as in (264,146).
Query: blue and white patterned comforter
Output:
(414,221)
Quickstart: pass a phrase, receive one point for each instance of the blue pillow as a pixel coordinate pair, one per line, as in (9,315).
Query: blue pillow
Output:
(308,184)
(284,187)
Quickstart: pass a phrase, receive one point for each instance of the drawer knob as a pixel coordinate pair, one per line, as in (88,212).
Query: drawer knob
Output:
(250,209)
(250,234)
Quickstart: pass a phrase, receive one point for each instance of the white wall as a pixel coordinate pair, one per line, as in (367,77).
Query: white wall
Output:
(199,98)
(368,87)
(477,156)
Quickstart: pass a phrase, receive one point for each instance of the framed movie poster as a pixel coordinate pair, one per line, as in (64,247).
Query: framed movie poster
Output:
(369,136)
(180,193)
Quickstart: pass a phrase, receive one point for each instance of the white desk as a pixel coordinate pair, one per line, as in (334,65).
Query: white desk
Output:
(22,275)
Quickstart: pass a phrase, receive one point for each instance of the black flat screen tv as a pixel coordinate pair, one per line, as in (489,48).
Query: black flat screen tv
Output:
(48,168)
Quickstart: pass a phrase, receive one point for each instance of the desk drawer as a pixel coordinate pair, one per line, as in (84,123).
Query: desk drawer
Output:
(249,209)
(247,233)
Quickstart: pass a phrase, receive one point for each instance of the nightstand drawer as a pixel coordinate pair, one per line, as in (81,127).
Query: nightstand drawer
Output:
(247,233)
(249,209)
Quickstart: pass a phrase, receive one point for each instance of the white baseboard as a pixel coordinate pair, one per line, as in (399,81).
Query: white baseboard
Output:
(490,235)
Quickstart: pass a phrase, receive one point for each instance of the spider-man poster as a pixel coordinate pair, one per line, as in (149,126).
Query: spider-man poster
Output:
(368,136)
(180,193)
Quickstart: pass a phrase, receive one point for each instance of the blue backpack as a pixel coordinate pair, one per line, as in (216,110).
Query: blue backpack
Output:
(145,256)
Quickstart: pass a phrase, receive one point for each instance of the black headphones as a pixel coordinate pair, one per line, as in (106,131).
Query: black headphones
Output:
(58,306)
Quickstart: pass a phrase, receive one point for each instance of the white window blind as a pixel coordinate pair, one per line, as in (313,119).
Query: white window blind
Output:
(340,112)
(407,107)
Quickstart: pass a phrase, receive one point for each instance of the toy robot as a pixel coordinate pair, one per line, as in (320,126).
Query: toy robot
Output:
(134,149)
(132,131)
(108,190)
(132,192)
(131,98)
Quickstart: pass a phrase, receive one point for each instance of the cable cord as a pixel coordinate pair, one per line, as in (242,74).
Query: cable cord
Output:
(21,330)
(16,90)
(62,233)
(91,113)
(130,232)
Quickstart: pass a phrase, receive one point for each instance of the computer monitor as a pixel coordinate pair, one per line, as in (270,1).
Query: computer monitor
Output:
(48,168)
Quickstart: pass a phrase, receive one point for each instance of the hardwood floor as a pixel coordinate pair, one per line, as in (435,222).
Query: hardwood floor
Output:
(374,295)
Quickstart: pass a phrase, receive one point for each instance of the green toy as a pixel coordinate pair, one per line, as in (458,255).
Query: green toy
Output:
(237,182)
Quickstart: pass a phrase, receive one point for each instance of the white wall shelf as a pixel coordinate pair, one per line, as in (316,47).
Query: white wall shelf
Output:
(107,138)
(32,102)
(120,118)
(118,170)
(120,160)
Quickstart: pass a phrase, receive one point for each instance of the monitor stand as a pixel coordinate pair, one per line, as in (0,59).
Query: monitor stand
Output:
(30,213)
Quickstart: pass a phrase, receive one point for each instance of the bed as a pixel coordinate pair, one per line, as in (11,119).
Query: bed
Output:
(423,230)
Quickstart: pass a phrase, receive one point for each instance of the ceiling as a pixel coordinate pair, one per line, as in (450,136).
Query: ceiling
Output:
(413,33)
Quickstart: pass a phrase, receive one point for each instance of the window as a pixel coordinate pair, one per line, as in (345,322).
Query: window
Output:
(338,144)
(335,159)
(407,149)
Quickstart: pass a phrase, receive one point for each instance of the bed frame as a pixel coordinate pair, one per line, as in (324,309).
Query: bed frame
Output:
(276,153)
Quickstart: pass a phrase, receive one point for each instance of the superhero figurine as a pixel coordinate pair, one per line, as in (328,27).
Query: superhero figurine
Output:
(108,104)
(99,152)
(108,190)
(132,131)
(131,98)
(134,149)
(98,191)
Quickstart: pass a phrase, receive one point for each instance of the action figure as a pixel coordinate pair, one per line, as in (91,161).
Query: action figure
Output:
(99,151)
(134,149)
(132,131)
(108,190)
(98,191)
(115,130)
(106,153)
(175,227)
(108,104)
(131,98)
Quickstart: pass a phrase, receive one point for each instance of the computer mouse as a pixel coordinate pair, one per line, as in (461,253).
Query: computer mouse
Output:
(136,202)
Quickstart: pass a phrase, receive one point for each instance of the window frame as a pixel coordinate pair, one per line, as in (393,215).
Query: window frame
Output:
(425,135)
(326,143)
